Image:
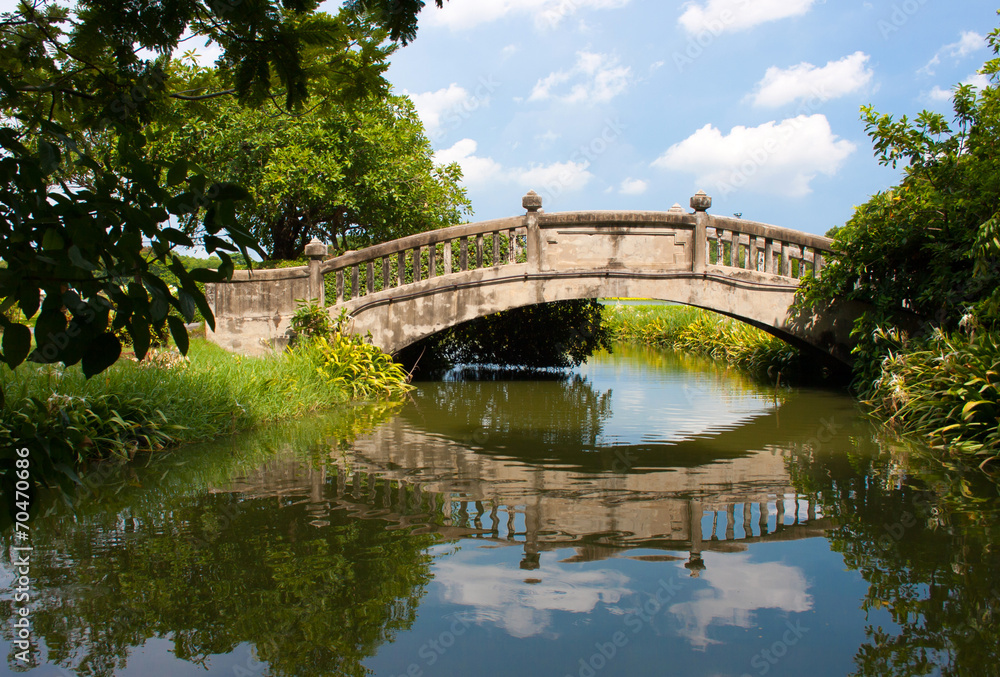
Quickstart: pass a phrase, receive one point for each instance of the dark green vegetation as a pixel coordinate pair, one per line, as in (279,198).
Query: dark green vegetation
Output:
(224,567)
(68,420)
(88,211)
(700,332)
(555,335)
(925,258)
(923,533)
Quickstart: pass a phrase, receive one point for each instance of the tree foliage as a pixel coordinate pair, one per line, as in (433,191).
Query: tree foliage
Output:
(74,224)
(349,175)
(930,245)
(549,336)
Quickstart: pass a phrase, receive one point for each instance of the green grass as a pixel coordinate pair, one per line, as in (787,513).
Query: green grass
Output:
(692,330)
(150,405)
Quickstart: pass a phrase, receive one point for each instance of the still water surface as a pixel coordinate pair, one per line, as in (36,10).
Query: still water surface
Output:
(649,515)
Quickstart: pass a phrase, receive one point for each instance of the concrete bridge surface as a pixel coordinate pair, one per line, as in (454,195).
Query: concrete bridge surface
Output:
(416,286)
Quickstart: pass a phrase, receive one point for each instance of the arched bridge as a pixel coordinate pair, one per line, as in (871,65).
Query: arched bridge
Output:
(407,289)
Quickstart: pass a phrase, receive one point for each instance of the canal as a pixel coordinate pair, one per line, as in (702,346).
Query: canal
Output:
(649,514)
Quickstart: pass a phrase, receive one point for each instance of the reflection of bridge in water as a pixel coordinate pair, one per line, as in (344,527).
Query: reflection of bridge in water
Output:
(720,497)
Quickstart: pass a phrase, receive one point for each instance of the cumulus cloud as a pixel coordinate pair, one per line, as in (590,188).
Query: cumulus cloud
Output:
(632,186)
(552,179)
(594,78)
(968,43)
(722,16)
(806,81)
(547,14)
(775,157)
(977,80)
(432,107)
(738,588)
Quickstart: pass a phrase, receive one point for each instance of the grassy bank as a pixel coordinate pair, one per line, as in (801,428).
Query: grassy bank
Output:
(168,400)
(944,388)
(700,332)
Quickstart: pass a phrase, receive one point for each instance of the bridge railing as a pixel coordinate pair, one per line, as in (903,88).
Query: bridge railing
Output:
(437,253)
(735,243)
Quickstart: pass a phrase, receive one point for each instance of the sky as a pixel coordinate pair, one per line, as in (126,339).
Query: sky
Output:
(638,104)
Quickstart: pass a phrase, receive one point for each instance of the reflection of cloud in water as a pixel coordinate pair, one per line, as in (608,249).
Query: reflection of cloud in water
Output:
(501,596)
(740,587)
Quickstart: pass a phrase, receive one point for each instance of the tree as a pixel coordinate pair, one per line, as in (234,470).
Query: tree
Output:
(350,175)
(930,245)
(71,77)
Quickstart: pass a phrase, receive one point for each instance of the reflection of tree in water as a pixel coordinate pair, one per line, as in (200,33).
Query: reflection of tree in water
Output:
(926,538)
(211,570)
(559,416)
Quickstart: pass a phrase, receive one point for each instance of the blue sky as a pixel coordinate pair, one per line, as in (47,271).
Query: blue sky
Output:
(636,104)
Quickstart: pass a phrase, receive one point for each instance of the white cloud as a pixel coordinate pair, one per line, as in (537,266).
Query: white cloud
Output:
(772,158)
(547,14)
(433,107)
(977,80)
(595,78)
(738,588)
(721,16)
(806,81)
(499,596)
(632,186)
(968,43)
(552,179)
(475,170)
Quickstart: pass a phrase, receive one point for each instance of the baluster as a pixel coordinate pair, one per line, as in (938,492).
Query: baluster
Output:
(734,250)
(463,253)
(720,246)
(447,257)
(747,517)
(416,263)
(496,249)
(354,281)
(386,273)
(432,260)
(786,259)
(340,286)
(512,245)
(371,277)
(401,267)
(762,522)
(479,250)
(752,253)
(817,263)
(769,255)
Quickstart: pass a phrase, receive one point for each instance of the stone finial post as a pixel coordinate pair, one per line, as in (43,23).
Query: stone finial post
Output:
(532,202)
(316,251)
(700,203)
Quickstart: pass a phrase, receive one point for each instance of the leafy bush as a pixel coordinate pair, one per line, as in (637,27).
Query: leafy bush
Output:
(947,386)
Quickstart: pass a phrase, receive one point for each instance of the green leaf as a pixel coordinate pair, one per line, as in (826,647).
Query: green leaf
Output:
(102,352)
(184,203)
(52,240)
(228,191)
(179,333)
(16,344)
(177,173)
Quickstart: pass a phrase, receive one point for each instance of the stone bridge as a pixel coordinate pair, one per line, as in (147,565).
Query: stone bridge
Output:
(413,287)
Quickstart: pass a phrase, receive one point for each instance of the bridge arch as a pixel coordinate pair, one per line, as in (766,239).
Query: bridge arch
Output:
(408,289)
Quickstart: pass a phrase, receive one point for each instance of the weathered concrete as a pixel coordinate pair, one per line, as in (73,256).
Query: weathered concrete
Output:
(434,280)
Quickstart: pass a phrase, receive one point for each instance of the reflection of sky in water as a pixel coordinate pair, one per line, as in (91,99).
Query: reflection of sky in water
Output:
(659,404)
(738,588)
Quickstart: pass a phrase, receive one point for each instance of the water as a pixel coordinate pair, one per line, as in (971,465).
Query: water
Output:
(650,515)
